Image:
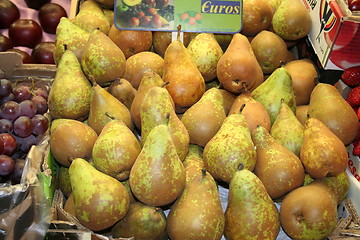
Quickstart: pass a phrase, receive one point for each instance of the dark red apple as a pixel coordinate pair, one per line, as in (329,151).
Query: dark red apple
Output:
(25,32)
(36,4)
(8,13)
(49,16)
(5,43)
(134,22)
(354,5)
(26,58)
(43,53)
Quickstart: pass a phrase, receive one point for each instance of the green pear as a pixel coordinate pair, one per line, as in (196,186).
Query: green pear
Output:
(288,130)
(141,222)
(278,168)
(103,105)
(189,217)
(102,59)
(250,213)
(203,119)
(322,153)
(206,52)
(269,93)
(230,146)
(91,17)
(100,200)
(193,162)
(69,95)
(123,91)
(157,177)
(115,150)
(69,37)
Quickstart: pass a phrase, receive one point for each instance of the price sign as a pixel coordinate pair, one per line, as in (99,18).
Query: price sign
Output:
(218,16)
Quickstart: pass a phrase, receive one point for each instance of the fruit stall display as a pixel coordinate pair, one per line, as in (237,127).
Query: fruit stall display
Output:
(200,138)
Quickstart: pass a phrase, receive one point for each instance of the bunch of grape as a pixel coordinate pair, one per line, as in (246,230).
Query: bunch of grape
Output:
(22,123)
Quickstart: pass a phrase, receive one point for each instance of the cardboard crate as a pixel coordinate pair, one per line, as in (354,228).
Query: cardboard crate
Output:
(335,33)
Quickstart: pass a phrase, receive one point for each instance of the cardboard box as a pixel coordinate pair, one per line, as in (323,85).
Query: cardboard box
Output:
(335,33)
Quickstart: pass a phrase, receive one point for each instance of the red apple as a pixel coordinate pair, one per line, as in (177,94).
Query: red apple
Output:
(8,13)
(145,21)
(49,16)
(354,5)
(26,58)
(150,2)
(134,22)
(25,32)
(156,21)
(5,43)
(43,53)
(36,4)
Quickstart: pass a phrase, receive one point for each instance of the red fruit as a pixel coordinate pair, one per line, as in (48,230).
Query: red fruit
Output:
(353,97)
(358,113)
(351,76)
(356,150)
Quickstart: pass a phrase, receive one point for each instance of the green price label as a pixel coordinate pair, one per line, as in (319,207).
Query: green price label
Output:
(192,15)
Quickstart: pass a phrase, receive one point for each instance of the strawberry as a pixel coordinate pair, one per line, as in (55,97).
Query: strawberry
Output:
(356,150)
(351,76)
(353,97)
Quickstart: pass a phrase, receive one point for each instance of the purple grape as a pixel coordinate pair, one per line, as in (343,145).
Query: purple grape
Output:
(27,142)
(23,126)
(7,98)
(41,92)
(5,87)
(27,108)
(10,110)
(10,143)
(41,104)
(6,126)
(40,123)
(16,175)
(22,92)
(7,165)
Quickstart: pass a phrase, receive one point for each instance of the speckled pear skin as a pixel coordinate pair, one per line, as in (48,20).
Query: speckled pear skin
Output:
(100,200)
(157,104)
(197,214)
(115,150)
(69,37)
(102,59)
(157,177)
(230,146)
(250,213)
(69,95)
(193,162)
(322,153)
(278,168)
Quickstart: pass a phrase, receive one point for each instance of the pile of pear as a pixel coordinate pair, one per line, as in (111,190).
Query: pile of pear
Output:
(143,125)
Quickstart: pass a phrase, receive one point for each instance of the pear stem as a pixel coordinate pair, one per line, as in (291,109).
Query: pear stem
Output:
(242,107)
(92,80)
(178,32)
(167,119)
(109,116)
(241,166)
(65,46)
(164,84)
(203,172)
(245,87)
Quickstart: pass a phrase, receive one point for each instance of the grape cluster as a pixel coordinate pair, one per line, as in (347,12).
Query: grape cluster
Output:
(22,124)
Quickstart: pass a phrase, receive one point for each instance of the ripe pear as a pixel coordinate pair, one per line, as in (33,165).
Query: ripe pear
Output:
(238,65)
(206,52)
(193,162)
(189,215)
(157,177)
(64,181)
(91,17)
(69,95)
(103,105)
(69,37)
(269,93)
(100,200)
(102,59)
(257,16)
(327,105)
(123,91)
(71,139)
(141,222)
(301,113)
(278,168)
(229,147)
(115,150)
(287,130)
(223,39)
(228,98)
(250,213)
(322,153)
(162,39)
(291,20)
(203,119)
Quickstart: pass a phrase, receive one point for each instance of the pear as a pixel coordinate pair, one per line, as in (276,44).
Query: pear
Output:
(278,168)
(322,153)
(250,213)
(238,65)
(291,20)
(115,150)
(141,222)
(100,200)
(203,119)
(71,139)
(302,113)
(269,93)
(327,105)
(228,98)
(69,37)
(162,39)
(91,17)
(69,95)
(126,184)
(64,181)
(150,79)
(186,84)
(102,59)
(287,129)
(223,39)
(230,146)
(102,105)
(69,206)
(158,177)
(257,16)
(189,215)
(193,162)
(157,105)
(206,52)
(123,91)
